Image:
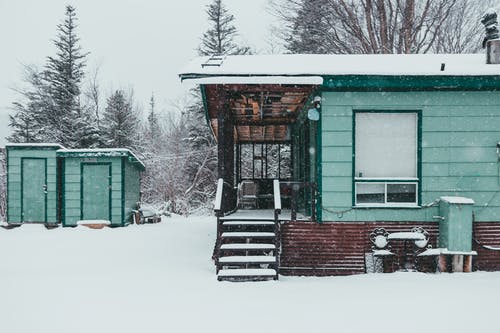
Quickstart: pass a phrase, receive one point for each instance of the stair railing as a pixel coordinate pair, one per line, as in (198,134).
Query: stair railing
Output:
(218,214)
(277,211)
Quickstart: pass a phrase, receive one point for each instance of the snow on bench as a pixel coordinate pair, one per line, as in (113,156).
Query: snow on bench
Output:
(381,253)
(439,251)
(247,234)
(248,259)
(489,247)
(410,235)
(247,272)
(430,252)
(247,246)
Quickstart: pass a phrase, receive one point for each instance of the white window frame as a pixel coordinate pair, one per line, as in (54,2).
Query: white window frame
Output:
(385,203)
(389,180)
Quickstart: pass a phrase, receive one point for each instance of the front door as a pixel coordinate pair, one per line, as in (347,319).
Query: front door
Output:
(96,192)
(34,189)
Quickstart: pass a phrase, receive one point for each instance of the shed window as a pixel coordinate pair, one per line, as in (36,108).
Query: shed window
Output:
(386,158)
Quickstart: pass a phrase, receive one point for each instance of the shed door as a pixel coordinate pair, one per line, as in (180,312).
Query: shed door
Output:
(96,192)
(34,189)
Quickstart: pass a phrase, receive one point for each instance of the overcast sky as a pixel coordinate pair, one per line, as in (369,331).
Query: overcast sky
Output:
(136,43)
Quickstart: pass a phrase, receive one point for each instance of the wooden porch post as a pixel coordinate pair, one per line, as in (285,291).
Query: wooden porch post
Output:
(225,150)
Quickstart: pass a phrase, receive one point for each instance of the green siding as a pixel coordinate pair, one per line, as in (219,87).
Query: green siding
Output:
(132,182)
(15,182)
(124,191)
(72,196)
(460,131)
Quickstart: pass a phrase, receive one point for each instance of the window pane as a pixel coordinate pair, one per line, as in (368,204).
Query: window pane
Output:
(370,193)
(386,145)
(286,161)
(402,193)
(246,162)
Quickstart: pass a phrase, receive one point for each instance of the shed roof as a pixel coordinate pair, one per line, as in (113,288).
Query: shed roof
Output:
(102,152)
(34,145)
(311,65)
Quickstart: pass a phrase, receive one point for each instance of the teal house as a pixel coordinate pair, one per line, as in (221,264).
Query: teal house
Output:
(366,142)
(52,185)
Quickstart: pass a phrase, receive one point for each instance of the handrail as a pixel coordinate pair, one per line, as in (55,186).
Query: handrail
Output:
(277,195)
(277,235)
(218,195)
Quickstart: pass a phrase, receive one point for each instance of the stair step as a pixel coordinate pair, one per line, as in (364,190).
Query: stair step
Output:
(247,259)
(248,234)
(247,246)
(250,272)
(249,218)
(248,223)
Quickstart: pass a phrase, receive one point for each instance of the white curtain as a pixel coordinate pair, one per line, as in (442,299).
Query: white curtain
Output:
(386,145)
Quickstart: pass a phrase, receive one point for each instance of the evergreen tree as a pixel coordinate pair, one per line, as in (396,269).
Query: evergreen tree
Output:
(153,125)
(29,122)
(306,34)
(201,164)
(120,122)
(219,38)
(64,75)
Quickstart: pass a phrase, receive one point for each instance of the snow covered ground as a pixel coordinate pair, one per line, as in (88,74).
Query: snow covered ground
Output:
(159,278)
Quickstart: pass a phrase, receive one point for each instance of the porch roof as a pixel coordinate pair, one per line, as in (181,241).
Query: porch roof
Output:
(261,112)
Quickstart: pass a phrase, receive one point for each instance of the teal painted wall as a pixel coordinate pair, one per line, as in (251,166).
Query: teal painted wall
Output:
(72,188)
(460,131)
(14,181)
(132,181)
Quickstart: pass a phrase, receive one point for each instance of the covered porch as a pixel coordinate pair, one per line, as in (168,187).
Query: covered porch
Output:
(263,134)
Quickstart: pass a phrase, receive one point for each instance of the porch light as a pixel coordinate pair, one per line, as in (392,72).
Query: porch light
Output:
(313,114)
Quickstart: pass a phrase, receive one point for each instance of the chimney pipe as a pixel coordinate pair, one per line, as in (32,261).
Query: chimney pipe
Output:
(493,51)
(492,39)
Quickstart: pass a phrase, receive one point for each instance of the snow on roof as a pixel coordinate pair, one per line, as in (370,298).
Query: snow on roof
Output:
(367,64)
(35,144)
(458,200)
(98,152)
(260,80)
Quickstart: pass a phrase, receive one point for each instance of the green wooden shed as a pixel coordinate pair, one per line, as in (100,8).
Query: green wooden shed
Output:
(99,184)
(32,183)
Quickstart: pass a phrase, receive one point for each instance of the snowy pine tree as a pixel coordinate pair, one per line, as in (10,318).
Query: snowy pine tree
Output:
(219,38)
(29,121)
(201,165)
(64,74)
(50,110)
(305,35)
(120,122)
(154,130)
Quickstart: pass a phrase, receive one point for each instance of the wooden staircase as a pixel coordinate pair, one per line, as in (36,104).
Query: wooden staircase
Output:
(247,249)
(247,246)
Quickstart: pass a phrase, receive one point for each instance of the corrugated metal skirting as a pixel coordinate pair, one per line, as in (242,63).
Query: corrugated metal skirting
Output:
(338,248)
(487,244)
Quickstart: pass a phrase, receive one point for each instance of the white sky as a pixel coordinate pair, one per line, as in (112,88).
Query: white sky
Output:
(136,43)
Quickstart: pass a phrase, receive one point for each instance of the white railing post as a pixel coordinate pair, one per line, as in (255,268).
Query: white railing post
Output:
(277,196)
(218,196)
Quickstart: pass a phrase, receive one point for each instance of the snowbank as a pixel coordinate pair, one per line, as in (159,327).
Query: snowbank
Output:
(159,278)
